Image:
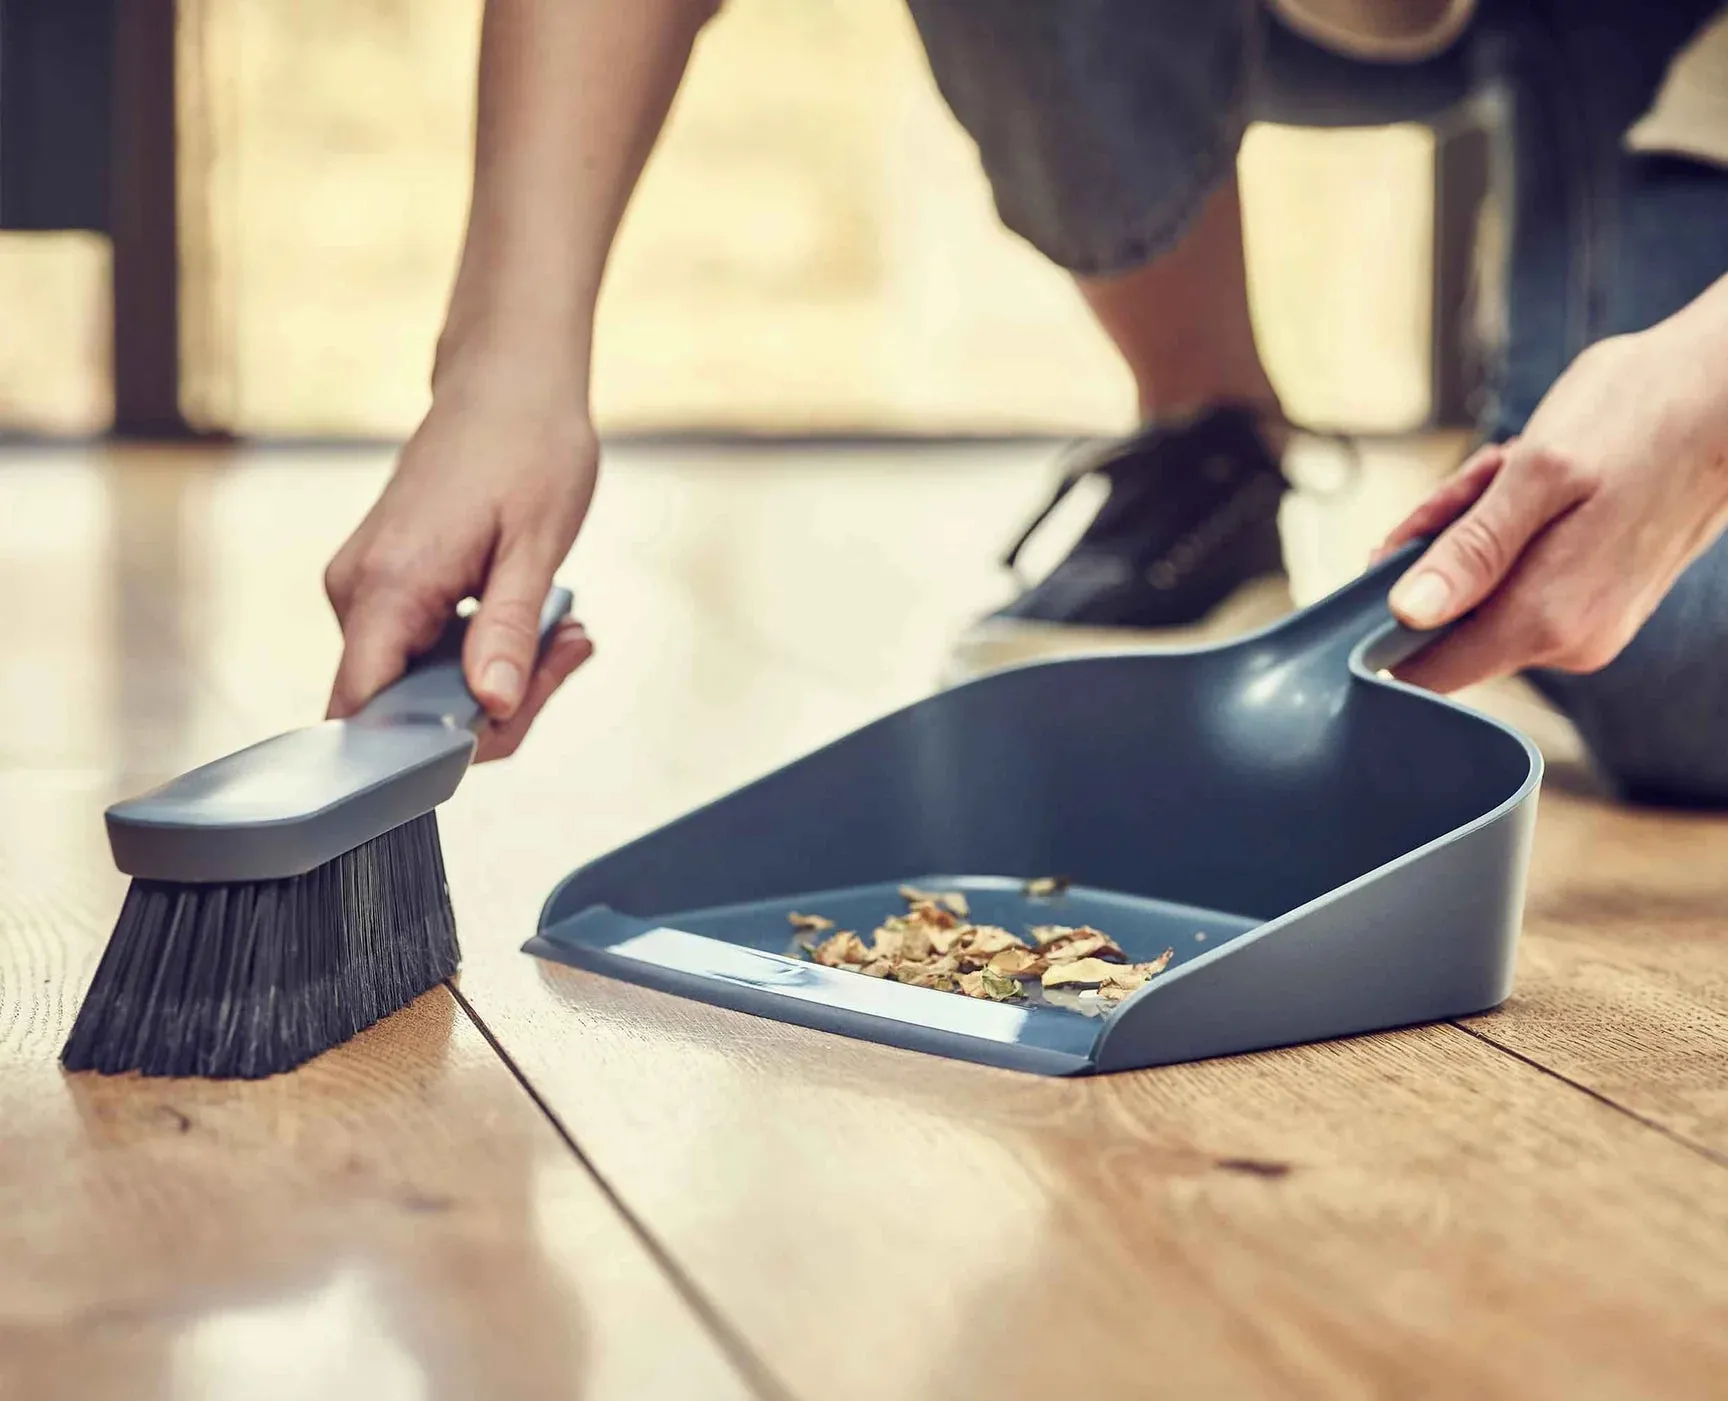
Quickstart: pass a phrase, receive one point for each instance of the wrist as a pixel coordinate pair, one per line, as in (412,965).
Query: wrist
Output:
(522,362)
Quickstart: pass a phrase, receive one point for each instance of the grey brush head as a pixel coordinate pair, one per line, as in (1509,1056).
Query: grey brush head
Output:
(289,804)
(248,978)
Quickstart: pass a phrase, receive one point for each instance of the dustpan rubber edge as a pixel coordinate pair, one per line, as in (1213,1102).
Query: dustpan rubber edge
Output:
(812,1015)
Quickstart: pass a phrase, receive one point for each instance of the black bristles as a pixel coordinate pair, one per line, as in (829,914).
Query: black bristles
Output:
(242,981)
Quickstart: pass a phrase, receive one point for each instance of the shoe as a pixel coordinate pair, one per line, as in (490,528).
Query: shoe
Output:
(1184,550)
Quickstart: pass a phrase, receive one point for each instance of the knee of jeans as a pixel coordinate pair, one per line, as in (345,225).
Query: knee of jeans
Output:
(1656,718)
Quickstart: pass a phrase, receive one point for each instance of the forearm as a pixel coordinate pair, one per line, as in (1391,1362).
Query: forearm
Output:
(572,97)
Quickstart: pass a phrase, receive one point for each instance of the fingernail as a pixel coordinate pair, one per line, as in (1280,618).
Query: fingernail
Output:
(502,681)
(1421,599)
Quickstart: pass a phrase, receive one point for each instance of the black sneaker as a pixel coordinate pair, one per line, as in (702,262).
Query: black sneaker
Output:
(1185,549)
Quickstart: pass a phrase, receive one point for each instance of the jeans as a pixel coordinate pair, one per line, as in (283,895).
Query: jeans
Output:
(1103,126)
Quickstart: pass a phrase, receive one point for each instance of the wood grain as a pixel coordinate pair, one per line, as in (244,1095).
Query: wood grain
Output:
(1408,1214)
(397,1219)
(1532,1205)
(397,1214)
(1624,979)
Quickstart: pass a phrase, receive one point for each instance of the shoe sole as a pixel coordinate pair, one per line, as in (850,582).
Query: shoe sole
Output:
(996,643)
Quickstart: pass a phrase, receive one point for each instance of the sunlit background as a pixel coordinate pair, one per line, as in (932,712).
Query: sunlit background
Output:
(813,249)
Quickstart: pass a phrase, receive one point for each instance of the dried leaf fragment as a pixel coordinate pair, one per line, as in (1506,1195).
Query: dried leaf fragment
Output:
(1017,963)
(987,939)
(990,986)
(926,975)
(839,950)
(809,924)
(928,914)
(876,968)
(1081,973)
(1129,978)
(1088,943)
(1044,887)
(919,974)
(942,940)
(951,900)
(889,942)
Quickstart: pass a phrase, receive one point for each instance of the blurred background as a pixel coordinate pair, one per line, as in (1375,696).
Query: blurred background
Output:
(249,212)
(227,232)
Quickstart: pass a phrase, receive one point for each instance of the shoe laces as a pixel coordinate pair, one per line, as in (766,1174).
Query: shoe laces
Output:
(1085,459)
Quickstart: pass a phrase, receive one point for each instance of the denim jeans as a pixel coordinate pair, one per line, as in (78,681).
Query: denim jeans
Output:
(1103,125)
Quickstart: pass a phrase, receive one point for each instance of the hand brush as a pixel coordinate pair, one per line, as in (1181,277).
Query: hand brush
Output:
(288,896)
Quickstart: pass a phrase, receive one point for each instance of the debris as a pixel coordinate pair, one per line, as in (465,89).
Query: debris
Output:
(1124,980)
(987,983)
(942,940)
(951,900)
(809,924)
(1081,973)
(1046,887)
(932,945)
(1017,963)
(839,949)
(1050,937)
(988,939)
(1085,943)
(889,943)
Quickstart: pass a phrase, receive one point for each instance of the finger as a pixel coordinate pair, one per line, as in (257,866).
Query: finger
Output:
(1448,501)
(382,630)
(504,635)
(568,649)
(1483,646)
(1475,553)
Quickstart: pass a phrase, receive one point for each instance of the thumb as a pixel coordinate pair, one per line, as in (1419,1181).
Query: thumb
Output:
(504,634)
(1478,550)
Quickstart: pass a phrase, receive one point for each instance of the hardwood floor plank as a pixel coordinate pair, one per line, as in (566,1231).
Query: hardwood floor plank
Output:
(1623,982)
(1413,1213)
(396,1219)
(1416,1213)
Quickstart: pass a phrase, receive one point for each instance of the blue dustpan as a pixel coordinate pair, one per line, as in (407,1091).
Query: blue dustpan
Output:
(1325,850)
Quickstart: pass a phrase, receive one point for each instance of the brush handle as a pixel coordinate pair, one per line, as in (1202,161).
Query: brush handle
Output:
(434,689)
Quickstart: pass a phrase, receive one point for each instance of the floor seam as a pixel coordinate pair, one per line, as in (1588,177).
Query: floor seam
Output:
(752,1370)
(1703,1150)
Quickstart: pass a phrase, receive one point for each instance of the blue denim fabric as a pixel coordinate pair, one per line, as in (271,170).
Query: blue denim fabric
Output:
(1104,124)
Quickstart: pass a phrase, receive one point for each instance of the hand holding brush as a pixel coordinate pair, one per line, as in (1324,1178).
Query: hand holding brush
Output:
(288,896)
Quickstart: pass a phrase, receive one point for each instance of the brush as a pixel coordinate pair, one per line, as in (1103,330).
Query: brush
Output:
(290,895)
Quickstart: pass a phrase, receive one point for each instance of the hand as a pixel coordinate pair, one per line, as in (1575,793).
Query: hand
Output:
(485,500)
(1564,540)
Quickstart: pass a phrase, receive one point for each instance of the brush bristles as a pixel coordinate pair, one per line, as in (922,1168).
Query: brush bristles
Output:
(244,980)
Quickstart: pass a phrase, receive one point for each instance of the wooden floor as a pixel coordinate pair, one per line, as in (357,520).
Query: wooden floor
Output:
(549,1185)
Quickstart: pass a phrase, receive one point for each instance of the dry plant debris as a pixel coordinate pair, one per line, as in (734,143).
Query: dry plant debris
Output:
(934,945)
(810,924)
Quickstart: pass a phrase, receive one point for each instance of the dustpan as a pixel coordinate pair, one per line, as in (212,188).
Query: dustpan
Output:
(1324,850)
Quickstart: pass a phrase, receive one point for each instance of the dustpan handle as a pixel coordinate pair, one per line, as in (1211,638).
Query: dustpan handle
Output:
(434,689)
(1357,616)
